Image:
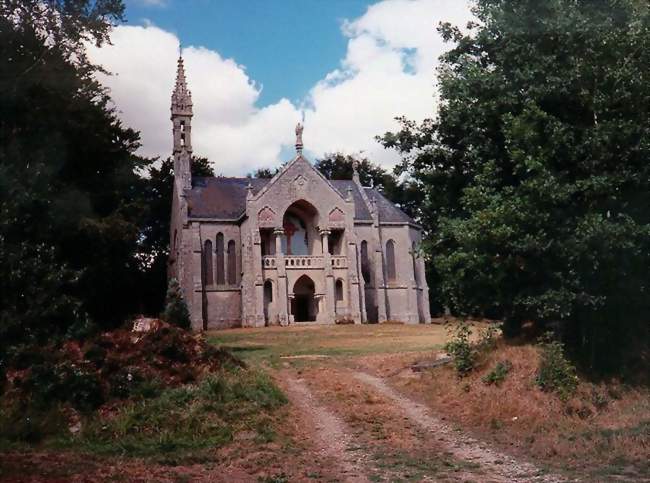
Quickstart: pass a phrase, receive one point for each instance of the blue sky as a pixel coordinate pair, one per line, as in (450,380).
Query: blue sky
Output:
(346,68)
(287,44)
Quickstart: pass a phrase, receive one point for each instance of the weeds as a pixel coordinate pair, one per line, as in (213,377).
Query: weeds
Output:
(461,349)
(465,353)
(497,375)
(556,373)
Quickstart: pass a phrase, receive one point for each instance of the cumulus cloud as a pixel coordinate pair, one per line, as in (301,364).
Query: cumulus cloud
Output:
(388,70)
(227,127)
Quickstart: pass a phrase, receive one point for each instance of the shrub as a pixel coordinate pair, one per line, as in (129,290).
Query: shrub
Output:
(461,349)
(26,425)
(81,388)
(48,383)
(3,375)
(555,373)
(176,312)
(498,374)
(487,338)
(95,354)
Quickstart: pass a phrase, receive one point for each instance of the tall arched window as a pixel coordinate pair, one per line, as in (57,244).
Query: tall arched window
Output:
(365,262)
(414,255)
(268,300)
(390,260)
(221,279)
(208,274)
(232,263)
(339,290)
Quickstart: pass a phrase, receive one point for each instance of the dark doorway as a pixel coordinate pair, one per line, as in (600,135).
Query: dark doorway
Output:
(302,308)
(304,304)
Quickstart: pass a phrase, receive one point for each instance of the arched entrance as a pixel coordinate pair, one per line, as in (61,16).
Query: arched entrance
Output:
(299,223)
(303,303)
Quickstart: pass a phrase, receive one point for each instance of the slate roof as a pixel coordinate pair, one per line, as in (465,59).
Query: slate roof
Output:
(388,212)
(361,212)
(225,199)
(220,197)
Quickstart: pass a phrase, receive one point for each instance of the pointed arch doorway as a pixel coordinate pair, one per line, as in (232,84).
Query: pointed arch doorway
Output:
(303,303)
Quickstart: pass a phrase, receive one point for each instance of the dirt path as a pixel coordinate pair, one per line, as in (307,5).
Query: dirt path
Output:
(331,436)
(498,466)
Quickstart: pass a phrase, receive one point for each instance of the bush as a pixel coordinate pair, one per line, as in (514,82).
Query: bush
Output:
(466,354)
(48,384)
(556,373)
(461,349)
(487,338)
(176,312)
(96,354)
(27,425)
(497,375)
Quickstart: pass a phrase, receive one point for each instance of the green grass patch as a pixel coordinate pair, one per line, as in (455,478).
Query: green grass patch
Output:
(174,424)
(189,418)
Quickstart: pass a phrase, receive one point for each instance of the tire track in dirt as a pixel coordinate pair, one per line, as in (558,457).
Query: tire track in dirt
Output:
(500,466)
(331,435)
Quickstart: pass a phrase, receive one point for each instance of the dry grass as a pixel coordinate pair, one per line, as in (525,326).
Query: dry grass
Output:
(391,447)
(603,429)
(269,344)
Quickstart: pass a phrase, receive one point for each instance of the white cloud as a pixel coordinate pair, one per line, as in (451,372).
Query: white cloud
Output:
(153,3)
(227,127)
(388,71)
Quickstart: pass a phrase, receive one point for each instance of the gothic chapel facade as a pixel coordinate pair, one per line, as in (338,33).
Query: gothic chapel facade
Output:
(290,249)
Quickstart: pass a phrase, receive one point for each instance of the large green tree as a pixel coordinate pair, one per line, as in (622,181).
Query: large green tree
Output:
(70,193)
(535,173)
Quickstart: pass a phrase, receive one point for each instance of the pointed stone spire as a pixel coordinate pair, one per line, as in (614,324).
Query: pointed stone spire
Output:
(181,117)
(181,97)
(299,129)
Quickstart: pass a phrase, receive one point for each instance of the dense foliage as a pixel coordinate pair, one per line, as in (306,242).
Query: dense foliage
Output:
(84,225)
(535,173)
(69,188)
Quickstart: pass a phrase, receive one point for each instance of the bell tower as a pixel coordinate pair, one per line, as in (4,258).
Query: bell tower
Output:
(181,117)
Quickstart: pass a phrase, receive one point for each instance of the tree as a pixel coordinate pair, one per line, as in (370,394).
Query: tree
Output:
(263,173)
(176,312)
(69,188)
(339,166)
(534,173)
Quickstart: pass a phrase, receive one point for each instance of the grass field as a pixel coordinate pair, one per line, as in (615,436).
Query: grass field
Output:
(270,344)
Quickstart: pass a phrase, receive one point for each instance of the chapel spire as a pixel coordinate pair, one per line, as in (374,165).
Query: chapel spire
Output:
(181,117)
(181,97)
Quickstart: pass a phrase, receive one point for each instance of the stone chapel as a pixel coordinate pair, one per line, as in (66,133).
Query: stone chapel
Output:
(296,248)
